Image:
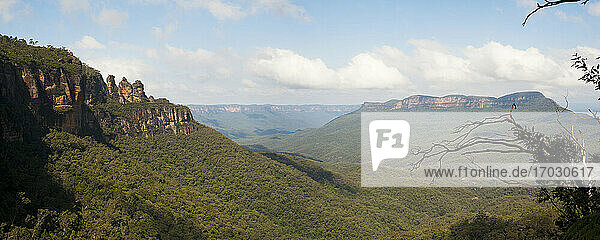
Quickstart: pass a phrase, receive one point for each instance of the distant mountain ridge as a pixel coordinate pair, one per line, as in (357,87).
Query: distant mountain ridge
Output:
(526,101)
(261,108)
(238,121)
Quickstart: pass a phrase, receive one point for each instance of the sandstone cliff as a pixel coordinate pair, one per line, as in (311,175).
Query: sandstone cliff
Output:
(128,111)
(148,120)
(44,88)
(55,99)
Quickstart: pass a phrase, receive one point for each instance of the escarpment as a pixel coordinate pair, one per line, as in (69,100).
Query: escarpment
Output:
(47,87)
(128,111)
(33,98)
(527,101)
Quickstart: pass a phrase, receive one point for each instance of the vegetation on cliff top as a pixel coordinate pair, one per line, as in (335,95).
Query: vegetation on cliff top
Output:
(48,58)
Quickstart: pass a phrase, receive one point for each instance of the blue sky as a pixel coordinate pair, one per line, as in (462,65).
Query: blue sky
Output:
(335,52)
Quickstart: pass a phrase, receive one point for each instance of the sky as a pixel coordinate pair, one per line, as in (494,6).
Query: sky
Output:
(327,52)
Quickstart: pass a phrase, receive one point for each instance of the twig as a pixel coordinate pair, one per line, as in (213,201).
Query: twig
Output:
(551,4)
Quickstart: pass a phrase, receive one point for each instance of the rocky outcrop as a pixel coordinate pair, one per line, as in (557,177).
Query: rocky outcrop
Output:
(113,89)
(131,92)
(125,91)
(138,92)
(47,87)
(148,121)
(528,101)
(132,113)
(32,99)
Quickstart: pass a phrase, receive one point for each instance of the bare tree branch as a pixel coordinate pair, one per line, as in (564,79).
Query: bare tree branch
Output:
(548,3)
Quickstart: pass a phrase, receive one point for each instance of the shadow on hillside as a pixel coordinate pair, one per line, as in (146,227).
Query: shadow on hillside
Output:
(311,169)
(30,196)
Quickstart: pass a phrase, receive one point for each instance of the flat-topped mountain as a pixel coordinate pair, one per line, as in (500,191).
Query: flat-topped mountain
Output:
(527,101)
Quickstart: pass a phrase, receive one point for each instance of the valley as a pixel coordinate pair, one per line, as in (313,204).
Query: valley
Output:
(249,121)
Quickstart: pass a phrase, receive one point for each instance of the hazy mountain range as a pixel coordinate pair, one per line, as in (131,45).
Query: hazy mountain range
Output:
(246,121)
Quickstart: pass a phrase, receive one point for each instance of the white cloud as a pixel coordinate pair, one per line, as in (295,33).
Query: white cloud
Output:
(9,9)
(111,18)
(527,3)
(198,64)
(151,53)
(291,69)
(231,11)
(122,67)
(281,8)
(594,9)
(489,64)
(69,6)
(505,63)
(147,2)
(88,42)
(164,32)
(181,56)
(6,9)
(368,71)
(428,44)
(492,64)
(217,8)
(587,51)
(440,66)
(249,83)
(223,10)
(564,17)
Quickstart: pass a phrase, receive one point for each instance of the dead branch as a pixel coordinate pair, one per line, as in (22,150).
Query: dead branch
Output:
(548,3)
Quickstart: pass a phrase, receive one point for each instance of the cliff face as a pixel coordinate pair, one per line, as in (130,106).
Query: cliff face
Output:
(55,99)
(146,121)
(34,98)
(523,100)
(128,111)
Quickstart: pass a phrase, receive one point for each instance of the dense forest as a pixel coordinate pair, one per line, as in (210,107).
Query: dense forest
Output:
(203,185)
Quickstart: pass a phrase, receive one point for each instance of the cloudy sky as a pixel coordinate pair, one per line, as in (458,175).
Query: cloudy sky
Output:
(333,52)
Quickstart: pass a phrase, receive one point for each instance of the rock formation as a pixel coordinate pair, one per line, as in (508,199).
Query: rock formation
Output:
(37,99)
(128,93)
(138,92)
(113,89)
(174,119)
(125,91)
